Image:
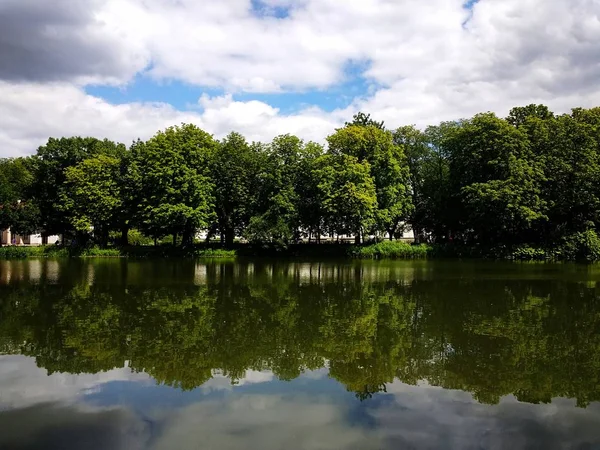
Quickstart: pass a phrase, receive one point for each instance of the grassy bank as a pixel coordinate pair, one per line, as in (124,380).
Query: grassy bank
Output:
(391,250)
(584,247)
(161,251)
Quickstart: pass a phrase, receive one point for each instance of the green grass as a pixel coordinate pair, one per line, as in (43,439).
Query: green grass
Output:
(50,251)
(391,250)
(215,253)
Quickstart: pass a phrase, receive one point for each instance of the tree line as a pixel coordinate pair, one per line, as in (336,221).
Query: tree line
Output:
(532,178)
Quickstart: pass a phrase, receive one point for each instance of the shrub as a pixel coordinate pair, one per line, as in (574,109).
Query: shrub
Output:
(215,253)
(581,246)
(96,252)
(13,252)
(528,253)
(391,250)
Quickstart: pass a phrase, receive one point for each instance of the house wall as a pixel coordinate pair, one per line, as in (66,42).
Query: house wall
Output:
(7,238)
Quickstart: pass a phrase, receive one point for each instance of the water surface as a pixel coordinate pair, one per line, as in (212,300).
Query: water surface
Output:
(264,354)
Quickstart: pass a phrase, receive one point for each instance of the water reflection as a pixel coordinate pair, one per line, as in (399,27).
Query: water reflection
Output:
(262,352)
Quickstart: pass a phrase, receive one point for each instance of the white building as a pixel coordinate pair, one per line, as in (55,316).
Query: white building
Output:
(8,238)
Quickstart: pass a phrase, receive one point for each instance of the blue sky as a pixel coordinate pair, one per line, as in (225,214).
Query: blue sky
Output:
(184,96)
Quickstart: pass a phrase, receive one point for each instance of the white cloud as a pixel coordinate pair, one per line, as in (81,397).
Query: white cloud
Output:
(34,112)
(23,384)
(53,412)
(427,61)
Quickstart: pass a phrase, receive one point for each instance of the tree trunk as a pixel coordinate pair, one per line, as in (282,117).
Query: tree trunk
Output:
(187,239)
(391,233)
(229,237)
(104,237)
(125,235)
(174,239)
(357,238)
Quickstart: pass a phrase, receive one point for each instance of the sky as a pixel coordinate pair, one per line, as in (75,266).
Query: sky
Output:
(120,409)
(124,69)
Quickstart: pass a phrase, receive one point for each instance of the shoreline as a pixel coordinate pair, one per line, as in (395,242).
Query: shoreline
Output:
(385,250)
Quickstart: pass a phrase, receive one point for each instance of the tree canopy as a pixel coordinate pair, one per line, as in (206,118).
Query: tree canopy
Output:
(530,179)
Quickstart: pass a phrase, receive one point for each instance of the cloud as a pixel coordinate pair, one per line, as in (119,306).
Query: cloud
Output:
(421,62)
(23,384)
(432,417)
(307,413)
(33,112)
(54,427)
(64,40)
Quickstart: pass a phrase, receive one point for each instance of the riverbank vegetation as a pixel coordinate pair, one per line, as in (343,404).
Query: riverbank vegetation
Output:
(523,187)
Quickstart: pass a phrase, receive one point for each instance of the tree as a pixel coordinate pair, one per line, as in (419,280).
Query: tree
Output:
(50,164)
(348,194)
(418,152)
(276,218)
(389,170)
(234,171)
(364,120)
(572,168)
(522,114)
(178,193)
(16,211)
(310,207)
(496,182)
(92,197)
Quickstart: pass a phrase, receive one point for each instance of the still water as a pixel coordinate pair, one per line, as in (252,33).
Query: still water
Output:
(116,354)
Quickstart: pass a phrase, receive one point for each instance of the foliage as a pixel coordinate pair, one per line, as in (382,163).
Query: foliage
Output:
(235,172)
(178,193)
(91,195)
(347,193)
(51,251)
(388,169)
(134,237)
(391,250)
(581,246)
(215,253)
(49,166)
(528,253)
(483,186)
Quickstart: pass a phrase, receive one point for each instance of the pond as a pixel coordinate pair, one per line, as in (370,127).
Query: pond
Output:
(268,354)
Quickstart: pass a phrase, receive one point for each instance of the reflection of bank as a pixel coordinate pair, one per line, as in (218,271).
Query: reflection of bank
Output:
(8,238)
(29,270)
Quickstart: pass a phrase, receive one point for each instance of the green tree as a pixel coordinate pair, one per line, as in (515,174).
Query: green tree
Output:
(276,218)
(418,153)
(348,194)
(16,210)
(364,120)
(496,181)
(310,206)
(235,171)
(50,164)
(389,170)
(178,193)
(92,196)
(573,172)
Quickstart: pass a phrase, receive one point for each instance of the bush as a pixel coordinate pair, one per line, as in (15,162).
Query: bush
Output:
(527,253)
(13,252)
(581,246)
(215,253)
(96,252)
(391,250)
(20,252)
